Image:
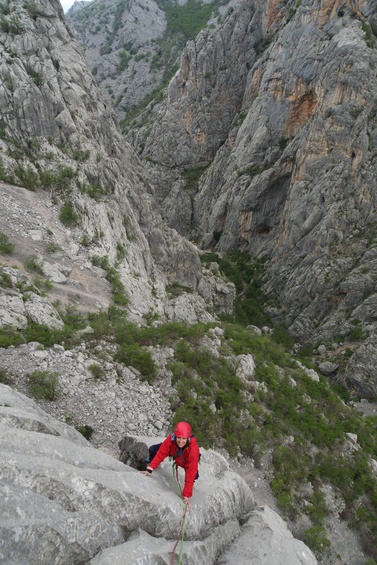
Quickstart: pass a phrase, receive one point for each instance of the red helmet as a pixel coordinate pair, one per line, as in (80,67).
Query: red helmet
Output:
(183,429)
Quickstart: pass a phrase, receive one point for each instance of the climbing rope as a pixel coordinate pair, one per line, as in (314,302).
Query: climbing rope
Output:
(181,533)
(175,476)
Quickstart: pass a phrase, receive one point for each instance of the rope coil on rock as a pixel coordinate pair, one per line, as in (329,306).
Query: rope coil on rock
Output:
(182,529)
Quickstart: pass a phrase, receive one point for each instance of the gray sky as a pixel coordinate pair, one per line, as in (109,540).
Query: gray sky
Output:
(66,4)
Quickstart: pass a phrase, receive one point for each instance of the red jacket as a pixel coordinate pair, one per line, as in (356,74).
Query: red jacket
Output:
(187,458)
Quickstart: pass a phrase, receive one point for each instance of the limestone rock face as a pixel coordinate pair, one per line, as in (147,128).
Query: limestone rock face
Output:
(63,501)
(120,41)
(131,47)
(361,374)
(276,113)
(60,136)
(205,94)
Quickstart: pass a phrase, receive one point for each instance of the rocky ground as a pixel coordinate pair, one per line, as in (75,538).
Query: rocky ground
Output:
(30,221)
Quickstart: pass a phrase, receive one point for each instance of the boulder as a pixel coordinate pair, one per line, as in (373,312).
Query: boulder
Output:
(12,312)
(327,368)
(133,452)
(266,534)
(40,311)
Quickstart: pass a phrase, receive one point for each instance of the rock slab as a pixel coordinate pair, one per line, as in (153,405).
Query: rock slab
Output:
(65,502)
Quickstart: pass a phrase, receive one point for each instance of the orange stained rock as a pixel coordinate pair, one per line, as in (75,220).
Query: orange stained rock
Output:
(329,9)
(200,136)
(302,109)
(245,226)
(274,13)
(256,82)
(187,118)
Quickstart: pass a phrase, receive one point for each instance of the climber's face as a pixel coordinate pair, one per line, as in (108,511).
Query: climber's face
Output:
(181,441)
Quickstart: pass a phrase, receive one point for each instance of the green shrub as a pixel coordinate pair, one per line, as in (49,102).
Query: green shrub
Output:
(192,176)
(113,277)
(124,59)
(11,25)
(254,169)
(28,177)
(5,379)
(281,335)
(10,336)
(5,280)
(201,380)
(53,247)
(176,289)
(318,510)
(5,8)
(80,154)
(6,246)
(94,191)
(85,240)
(97,370)
(59,180)
(247,276)
(4,176)
(37,77)
(32,9)
(44,385)
(121,251)
(43,284)
(139,358)
(187,19)
(356,334)
(86,430)
(68,214)
(316,539)
(170,332)
(369,37)
(44,334)
(33,263)
(72,318)
(287,504)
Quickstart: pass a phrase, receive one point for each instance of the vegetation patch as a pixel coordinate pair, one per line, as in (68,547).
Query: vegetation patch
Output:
(192,176)
(97,370)
(176,289)
(34,264)
(5,378)
(247,276)
(6,246)
(86,430)
(113,277)
(44,385)
(254,170)
(94,191)
(5,280)
(68,214)
(139,358)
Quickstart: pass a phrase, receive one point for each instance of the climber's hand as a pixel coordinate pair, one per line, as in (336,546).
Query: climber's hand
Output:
(187,502)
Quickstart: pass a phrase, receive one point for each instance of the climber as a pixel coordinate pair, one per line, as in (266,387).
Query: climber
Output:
(182,447)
